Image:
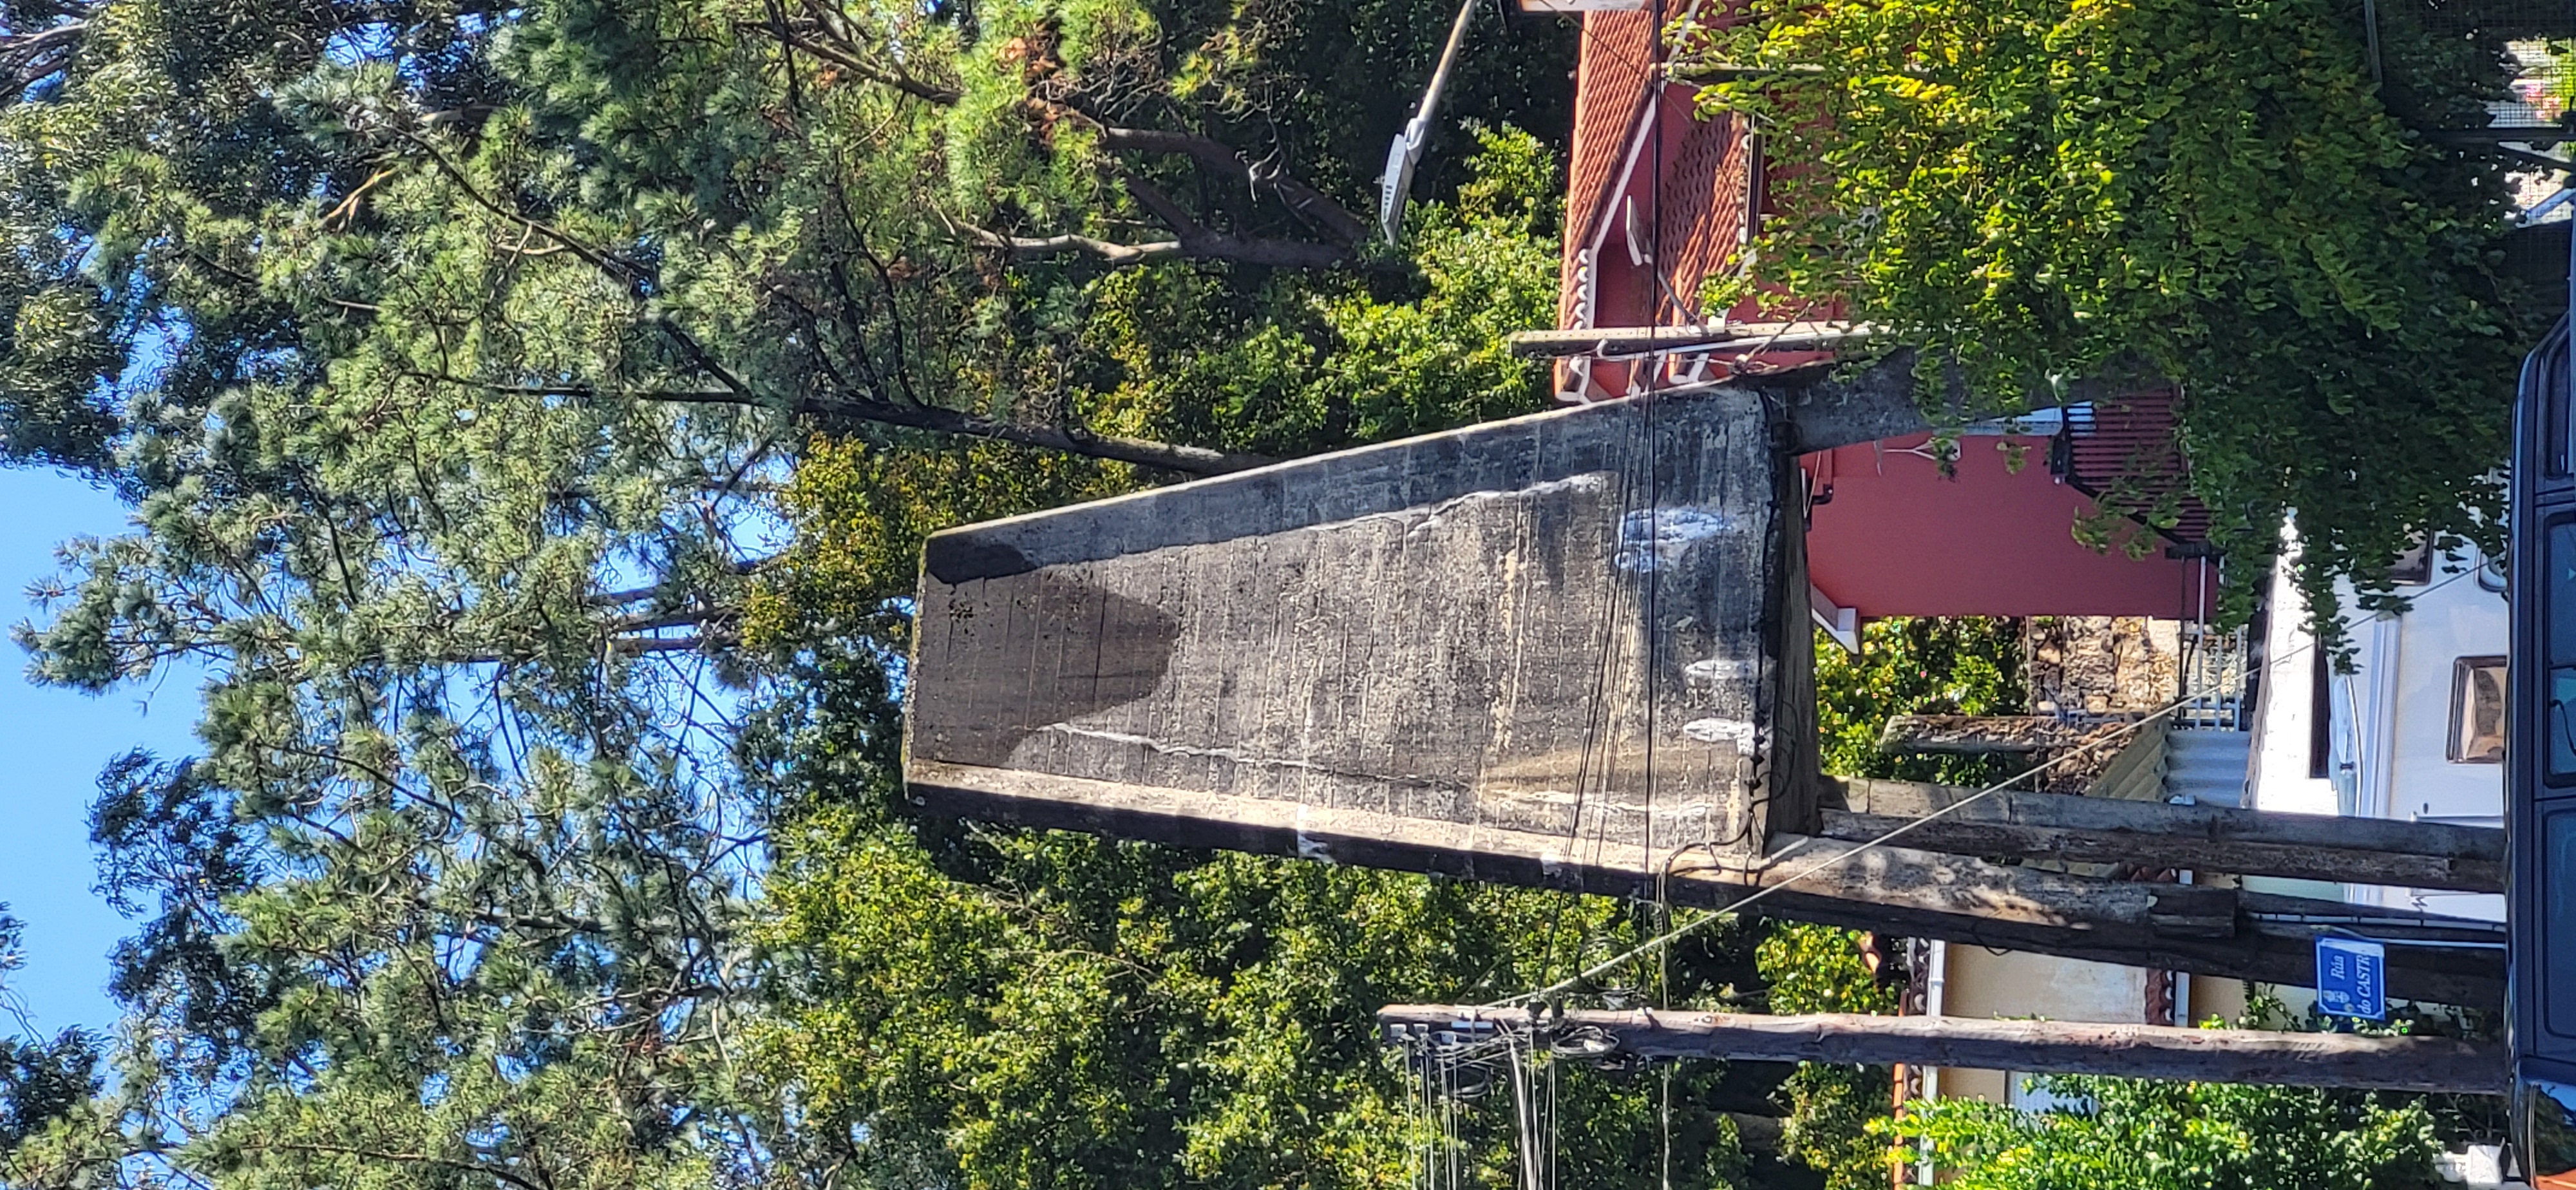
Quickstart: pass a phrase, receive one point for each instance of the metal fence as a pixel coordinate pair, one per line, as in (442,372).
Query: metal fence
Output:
(2531,38)
(2216,668)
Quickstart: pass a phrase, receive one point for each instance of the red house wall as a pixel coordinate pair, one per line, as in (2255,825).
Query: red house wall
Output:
(1896,538)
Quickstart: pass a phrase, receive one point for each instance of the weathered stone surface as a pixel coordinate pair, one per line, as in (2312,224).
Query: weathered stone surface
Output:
(1553,626)
(1979,735)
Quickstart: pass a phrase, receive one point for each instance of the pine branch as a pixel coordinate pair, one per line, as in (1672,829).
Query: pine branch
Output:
(895,78)
(1113,253)
(1216,156)
(674,619)
(707,643)
(1196,241)
(31,58)
(1309,203)
(1188,460)
(624,272)
(746,568)
(1143,452)
(362,1154)
(240,278)
(1314,206)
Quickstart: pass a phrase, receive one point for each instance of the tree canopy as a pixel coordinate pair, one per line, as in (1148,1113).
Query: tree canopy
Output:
(531,412)
(40,1079)
(2133,1133)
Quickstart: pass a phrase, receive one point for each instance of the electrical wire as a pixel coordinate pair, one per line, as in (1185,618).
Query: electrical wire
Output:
(1665,940)
(1535,1115)
(1693,926)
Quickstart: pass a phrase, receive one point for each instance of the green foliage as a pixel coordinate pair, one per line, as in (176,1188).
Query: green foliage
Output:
(1924,665)
(862,514)
(40,1080)
(1812,968)
(451,892)
(1832,1111)
(1056,1010)
(2136,1134)
(1488,267)
(453,356)
(1915,666)
(1329,362)
(2212,193)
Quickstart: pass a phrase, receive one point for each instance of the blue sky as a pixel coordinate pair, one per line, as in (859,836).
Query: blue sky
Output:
(52,743)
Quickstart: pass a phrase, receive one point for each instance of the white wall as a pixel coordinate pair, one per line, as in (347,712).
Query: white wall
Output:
(2452,618)
(2391,726)
(1985,984)
(2279,780)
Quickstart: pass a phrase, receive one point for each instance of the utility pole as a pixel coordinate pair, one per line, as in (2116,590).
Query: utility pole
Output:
(2062,827)
(2425,1064)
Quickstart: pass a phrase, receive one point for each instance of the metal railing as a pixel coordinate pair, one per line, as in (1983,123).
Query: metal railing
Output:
(2216,666)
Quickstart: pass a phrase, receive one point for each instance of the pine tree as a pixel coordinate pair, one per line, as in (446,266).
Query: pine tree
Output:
(452,356)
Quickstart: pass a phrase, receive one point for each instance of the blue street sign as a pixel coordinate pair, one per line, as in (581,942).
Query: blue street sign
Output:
(2351,978)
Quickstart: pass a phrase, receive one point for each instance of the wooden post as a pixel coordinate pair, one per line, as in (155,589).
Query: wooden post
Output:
(1566,651)
(2155,835)
(2428,1064)
(1960,898)
(1631,340)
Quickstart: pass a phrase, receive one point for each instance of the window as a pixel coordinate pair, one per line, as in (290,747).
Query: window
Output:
(2414,568)
(2558,604)
(2558,923)
(2542,421)
(2546,1131)
(2040,422)
(2320,714)
(2477,710)
(2027,1093)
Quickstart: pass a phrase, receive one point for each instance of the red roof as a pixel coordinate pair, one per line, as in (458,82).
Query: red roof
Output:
(1658,199)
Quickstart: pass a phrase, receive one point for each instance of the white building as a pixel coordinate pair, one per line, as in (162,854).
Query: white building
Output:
(2414,734)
